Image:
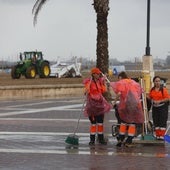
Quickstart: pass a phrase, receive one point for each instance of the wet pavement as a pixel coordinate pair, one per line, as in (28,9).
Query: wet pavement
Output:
(33,133)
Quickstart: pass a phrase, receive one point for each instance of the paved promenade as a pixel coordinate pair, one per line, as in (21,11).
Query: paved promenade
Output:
(33,133)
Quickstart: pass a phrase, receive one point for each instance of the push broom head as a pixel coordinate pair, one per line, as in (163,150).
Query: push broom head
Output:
(72,140)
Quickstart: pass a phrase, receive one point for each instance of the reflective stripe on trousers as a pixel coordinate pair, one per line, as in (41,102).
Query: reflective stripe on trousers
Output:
(130,129)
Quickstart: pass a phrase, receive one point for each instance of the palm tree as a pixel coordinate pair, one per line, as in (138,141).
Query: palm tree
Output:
(101,7)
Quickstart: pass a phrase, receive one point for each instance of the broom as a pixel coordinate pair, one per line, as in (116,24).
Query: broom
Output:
(73,139)
(147,124)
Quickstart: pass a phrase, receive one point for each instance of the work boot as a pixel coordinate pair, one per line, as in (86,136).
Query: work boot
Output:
(129,139)
(101,139)
(119,144)
(120,140)
(103,142)
(128,142)
(92,140)
(91,143)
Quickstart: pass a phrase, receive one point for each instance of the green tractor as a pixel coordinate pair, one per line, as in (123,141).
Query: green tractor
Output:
(31,64)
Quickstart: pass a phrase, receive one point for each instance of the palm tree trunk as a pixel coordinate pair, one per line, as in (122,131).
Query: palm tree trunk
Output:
(102,7)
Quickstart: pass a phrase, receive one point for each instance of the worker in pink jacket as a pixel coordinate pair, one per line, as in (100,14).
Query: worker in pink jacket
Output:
(96,105)
(130,108)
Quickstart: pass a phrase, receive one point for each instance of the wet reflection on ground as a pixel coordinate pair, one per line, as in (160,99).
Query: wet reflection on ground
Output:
(159,150)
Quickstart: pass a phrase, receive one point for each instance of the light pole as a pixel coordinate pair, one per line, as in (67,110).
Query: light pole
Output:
(148,72)
(148,30)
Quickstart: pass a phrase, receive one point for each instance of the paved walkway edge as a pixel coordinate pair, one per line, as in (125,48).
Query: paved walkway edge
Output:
(43,91)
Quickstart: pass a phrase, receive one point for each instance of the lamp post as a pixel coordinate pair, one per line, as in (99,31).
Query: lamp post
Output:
(148,30)
(148,71)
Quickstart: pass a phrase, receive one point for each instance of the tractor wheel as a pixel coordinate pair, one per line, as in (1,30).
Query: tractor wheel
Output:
(30,72)
(14,73)
(45,70)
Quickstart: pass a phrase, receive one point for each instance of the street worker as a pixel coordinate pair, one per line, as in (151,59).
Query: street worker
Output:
(96,105)
(129,108)
(160,103)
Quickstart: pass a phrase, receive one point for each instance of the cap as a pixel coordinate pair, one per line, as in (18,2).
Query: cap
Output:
(95,70)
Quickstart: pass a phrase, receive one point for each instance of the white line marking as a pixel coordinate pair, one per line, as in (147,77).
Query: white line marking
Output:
(46,102)
(55,120)
(79,152)
(39,119)
(32,104)
(40,110)
(46,133)
(69,151)
(41,133)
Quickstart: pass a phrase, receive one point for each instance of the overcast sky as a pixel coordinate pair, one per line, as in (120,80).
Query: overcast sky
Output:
(67,28)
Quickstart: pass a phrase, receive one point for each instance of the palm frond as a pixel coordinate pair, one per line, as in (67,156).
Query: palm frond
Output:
(36,8)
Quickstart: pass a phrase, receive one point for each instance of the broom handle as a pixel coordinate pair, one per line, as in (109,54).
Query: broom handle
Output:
(77,126)
(79,117)
(106,78)
(144,105)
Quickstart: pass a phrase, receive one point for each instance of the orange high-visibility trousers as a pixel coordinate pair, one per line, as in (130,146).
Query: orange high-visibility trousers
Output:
(131,130)
(100,128)
(93,129)
(157,132)
(122,129)
(162,132)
